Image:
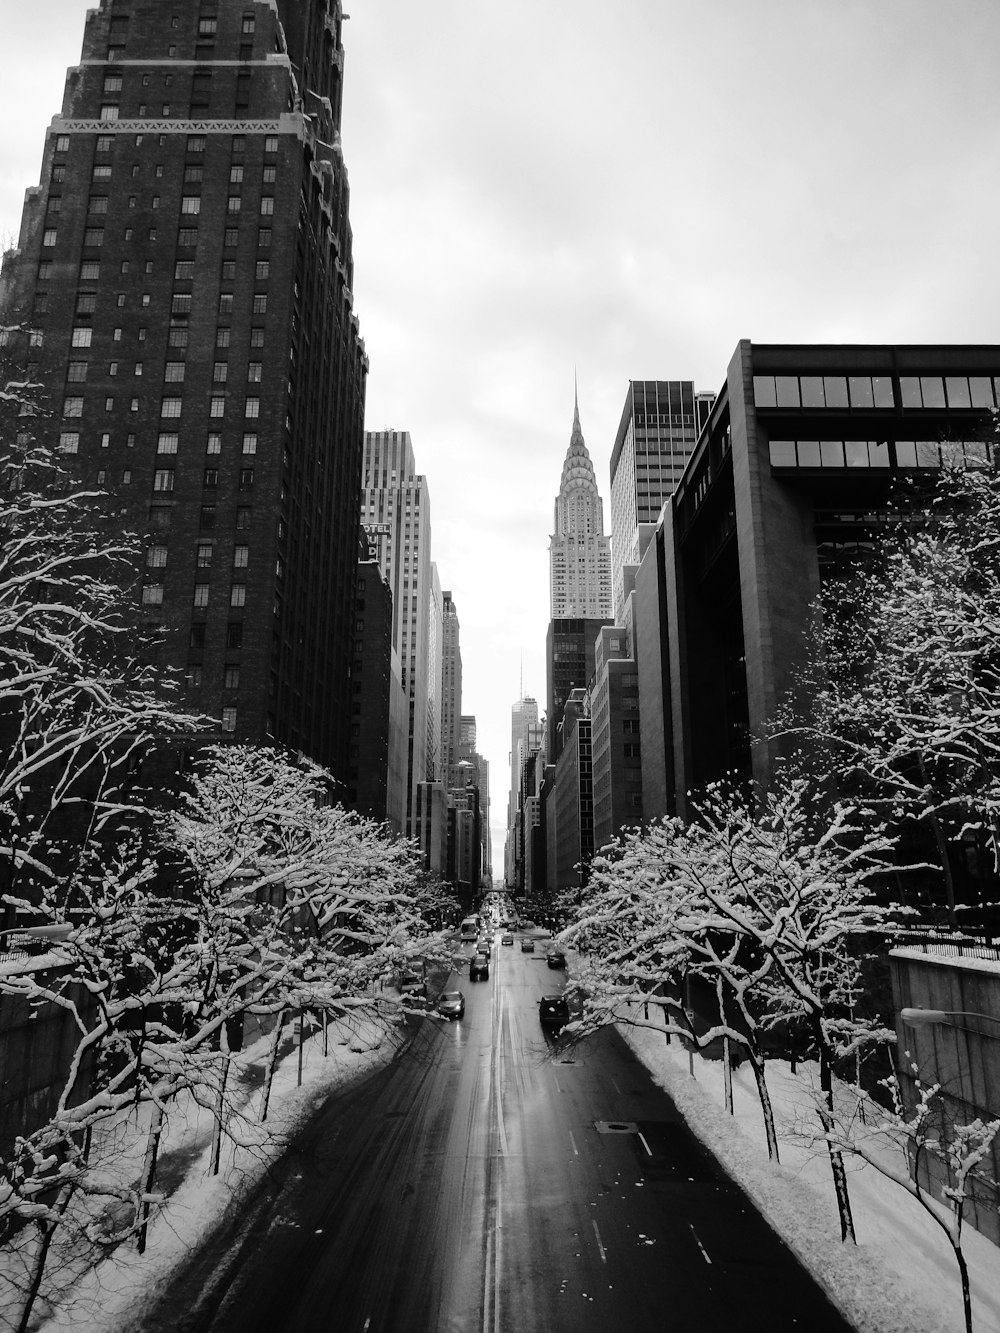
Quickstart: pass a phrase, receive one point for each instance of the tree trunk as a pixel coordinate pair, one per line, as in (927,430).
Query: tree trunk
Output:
(766,1109)
(46,1231)
(272,1057)
(826,1117)
(220,1102)
(148,1173)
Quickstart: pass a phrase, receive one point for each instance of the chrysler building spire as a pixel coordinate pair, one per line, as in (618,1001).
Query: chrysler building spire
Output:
(579,552)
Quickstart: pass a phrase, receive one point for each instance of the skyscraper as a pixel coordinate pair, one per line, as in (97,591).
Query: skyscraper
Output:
(183,276)
(523,724)
(579,552)
(659,427)
(451,689)
(395,509)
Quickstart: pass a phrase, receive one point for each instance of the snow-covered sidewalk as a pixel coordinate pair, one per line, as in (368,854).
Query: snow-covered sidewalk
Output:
(112,1295)
(901,1277)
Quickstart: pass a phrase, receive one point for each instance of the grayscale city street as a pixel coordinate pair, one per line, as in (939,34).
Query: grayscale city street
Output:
(488,1181)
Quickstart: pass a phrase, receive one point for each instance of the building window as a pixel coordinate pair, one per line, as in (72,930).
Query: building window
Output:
(176,337)
(271,144)
(233,204)
(246,478)
(163,479)
(191,204)
(156,557)
(252,409)
(213,442)
(72,407)
(192,676)
(201,594)
(236,174)
(217,407)
(197,637)
(180,303)
(109,111)
(81,337)
(207,27)
(267,205)
(241,557)
(264,238)
(206,519)
(69,442)
(220,372)
(263,270)
(167,442)
(225,303)
(211,477)
(229,719)
(170,407)
(152,594)
(250,442)
(76,372)
(62,143)
(238,594)
(243,515)
(49,236)
(231,680)
(234,635)
(174,372)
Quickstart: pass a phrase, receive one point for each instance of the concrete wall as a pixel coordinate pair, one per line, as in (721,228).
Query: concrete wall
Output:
(962,1055)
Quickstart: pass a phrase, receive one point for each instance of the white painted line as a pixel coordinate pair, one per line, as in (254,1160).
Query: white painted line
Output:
(616,1087)
(604,1257)
(572,1140)
(705,1255)
(642,1140)
(556,1081)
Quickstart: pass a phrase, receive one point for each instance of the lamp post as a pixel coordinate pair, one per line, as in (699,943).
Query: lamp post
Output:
(927,1017)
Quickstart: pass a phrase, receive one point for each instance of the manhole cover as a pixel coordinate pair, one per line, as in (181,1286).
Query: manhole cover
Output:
(616,1127)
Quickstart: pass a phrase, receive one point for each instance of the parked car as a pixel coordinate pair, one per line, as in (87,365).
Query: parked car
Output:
(553,1011)
(451,1004)
(507,939)
(556,958)
(411,983)
(479,968)
(527,946)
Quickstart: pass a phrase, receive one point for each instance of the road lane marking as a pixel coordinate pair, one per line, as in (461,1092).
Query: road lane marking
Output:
(556,1081)
(642,1139)
(600,1246)
(616,1087)
(705,1254)
(573,1141)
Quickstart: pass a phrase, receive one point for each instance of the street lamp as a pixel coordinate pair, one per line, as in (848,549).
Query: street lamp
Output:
(926,1017)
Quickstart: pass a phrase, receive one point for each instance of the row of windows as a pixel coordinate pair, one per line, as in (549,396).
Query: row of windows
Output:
(83,334)
(173,371)
(156,556)
(876,391)
(195,142)
(194,676)
(876,453)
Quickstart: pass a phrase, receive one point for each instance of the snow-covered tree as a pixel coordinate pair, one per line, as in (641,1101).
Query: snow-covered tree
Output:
(897,1144)
(81,702)
(902,688)
(765,899)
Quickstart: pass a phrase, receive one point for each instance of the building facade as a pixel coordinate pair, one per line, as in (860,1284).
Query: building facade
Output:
(183,277)
(395,512)
(569,665)
(659,427)
(789,479)
(579,552)
(615,737)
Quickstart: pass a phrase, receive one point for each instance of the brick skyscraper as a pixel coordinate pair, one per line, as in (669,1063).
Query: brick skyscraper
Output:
(183,277)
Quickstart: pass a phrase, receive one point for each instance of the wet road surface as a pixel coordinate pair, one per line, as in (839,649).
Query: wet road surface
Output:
(484,1183)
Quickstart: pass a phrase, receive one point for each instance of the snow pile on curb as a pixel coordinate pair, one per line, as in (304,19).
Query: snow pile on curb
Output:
(901,1277)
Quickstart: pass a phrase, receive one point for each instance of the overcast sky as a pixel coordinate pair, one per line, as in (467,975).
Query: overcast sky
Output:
(626,189)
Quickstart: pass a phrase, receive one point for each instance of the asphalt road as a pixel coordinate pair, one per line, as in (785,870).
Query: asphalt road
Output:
(483,1183)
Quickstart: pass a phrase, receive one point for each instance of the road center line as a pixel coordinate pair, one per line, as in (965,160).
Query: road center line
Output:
(642,1140)
(572,1140)
(705,1254)
(600,1246)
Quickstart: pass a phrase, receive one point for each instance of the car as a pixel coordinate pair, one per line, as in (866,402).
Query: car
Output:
(483,947)
(553,1011)
(411,983)
(451,1004)
(527,946)
(556,958)
(479,969)
(507,939)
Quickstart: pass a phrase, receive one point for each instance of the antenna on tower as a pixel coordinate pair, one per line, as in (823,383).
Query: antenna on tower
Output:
(522,674)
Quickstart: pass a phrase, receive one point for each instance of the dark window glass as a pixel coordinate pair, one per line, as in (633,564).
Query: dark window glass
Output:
(932,390)
(882,389)
(812,391)
(835,389)
(831,453)
(782,453)
(207,520)
(808,451)
(763,390)
(234,635)
(861,391)
(786,389)
(958,391)
(981,390)
(909,390)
